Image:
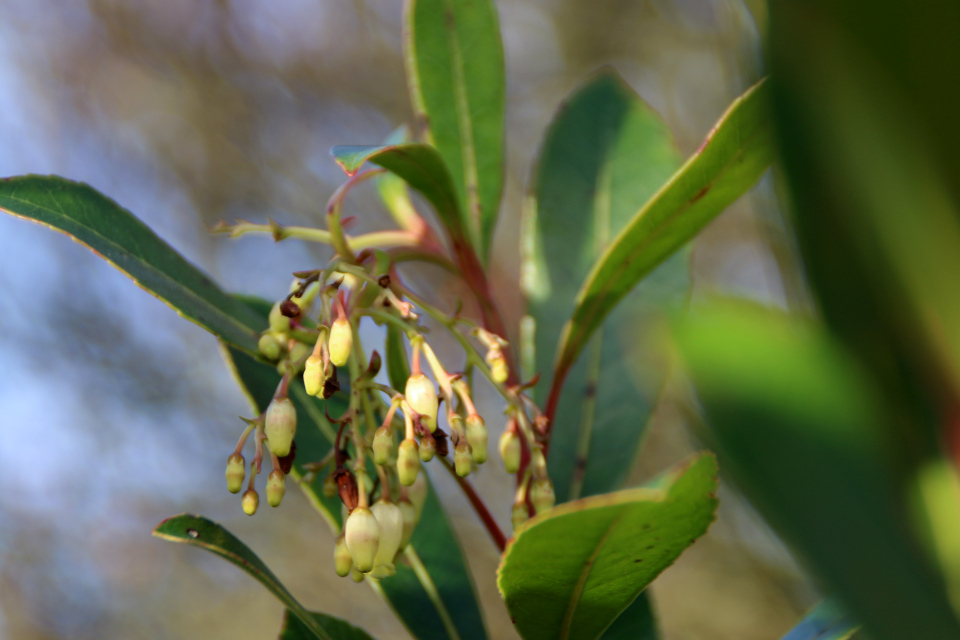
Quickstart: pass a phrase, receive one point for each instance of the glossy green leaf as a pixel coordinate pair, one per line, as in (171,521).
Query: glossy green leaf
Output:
(294,629)
(800,427)
(635,623)
(732,158)
(826,621)
(455,68)
(432,592)
(203,533)
(605,154)
(115,234)
(398,368)
(569,572)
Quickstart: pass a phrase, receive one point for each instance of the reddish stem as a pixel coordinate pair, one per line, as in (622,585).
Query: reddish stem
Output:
(478,505)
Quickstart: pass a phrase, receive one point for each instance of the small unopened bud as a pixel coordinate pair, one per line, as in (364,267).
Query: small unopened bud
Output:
(463,459)
(236,472)
(276,487)
(408,462)
(329,486)
(382,445)
(298,353)
(519,514)
(498,365)
(340,342)
(541,494)
(278,321)
(477,437)
(390,519)
(428,448)
(347,487)
(269,346)
(422,396)
(281,425)
(510,451)
(417,493)
(342,560)
(313,375)
(362,536)
(409,513)
(357,576)
(250,501)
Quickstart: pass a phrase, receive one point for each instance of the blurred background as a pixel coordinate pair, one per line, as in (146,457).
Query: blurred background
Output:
(117,413)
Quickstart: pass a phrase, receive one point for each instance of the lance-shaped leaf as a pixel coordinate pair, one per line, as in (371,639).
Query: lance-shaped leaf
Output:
(115,234)
(798,424)
(569,572)
(398,368)
(432,592)
(454,62)
(732,158)
(826,621)
(605,154)
(294,629)
(206,534)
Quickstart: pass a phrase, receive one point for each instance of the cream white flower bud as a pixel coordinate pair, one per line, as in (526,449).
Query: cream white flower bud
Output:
(357,576)
(269,346)
(422,396)
(236,472)
(342,560)
(428,448)
(477,437)
(409,513)
(362,536)
(250,502)
(390,519)
(408,462)
(278,321)
(382,445)
(510,451)
(340,342)
(276,487)
(281,426)
(541,494)
(313,375)
(463,459)
(498,364)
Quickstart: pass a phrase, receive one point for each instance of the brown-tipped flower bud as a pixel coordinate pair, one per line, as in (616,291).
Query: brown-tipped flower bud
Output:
(236,472)
(269,346)
(382,445)
(409,513)
(390,519)
(329,485)
(519,514)
(541,494)
(428,448)
(498,365)
(362,536)
(313,375)
(340,342)
(342,560)
(463,459)
(417,493)
(510,451)
(477,437)
(347,487)
(278,321)
(422,396)
(408,462)
(276,487)
(281,425)
(250,501)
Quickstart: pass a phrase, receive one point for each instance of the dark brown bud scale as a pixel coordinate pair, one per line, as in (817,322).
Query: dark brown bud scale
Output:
(347,488)
(286,462)
(290,308)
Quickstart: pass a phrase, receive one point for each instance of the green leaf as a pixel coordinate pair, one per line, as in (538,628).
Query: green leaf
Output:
(398,369)
(799,426)
(605,154)
(294,629)
(454,62)
(735,153)
(115,234)
(206,534)
(635,623)
(569,572)
(432,592)
(826,621)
